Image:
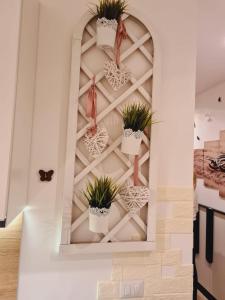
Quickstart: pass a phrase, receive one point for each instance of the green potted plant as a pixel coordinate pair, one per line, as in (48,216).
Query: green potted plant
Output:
(136,118)
(100,196)
(108,13)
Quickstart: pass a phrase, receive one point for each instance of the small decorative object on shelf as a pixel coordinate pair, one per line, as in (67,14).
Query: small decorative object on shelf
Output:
(108,13)
(46,175)
(136,118)
(96,137)
(115,76)
(100,196)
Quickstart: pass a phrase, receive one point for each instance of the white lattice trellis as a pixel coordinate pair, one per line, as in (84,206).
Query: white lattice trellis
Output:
(127,232)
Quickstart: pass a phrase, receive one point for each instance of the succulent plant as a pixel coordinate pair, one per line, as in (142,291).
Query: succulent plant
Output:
(109,9)
(137,117)
(101,193)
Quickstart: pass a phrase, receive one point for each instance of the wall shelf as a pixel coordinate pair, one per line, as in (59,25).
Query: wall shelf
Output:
(106,248)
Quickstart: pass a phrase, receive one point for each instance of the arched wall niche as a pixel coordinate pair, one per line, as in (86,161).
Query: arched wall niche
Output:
(140,55)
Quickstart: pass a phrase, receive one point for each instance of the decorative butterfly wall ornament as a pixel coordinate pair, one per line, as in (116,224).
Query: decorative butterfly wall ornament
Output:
(46,175)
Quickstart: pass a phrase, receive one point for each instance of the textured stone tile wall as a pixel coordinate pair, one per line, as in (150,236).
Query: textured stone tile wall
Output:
(167,271)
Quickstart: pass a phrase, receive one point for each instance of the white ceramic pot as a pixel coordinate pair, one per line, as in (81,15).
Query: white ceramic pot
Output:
(131,141)
(98,220)
(106,33)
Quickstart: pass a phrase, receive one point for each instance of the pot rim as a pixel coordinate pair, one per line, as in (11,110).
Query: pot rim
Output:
(100,212)
(103,22)
(129,132)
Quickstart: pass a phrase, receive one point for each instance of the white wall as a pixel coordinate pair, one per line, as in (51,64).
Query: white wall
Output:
(18,64)
(9,34)
(22,129)
(207,106)
(43,275)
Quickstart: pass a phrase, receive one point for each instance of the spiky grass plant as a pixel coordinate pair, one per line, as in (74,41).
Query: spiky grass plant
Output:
(109,9)
(101,193)
(137,117)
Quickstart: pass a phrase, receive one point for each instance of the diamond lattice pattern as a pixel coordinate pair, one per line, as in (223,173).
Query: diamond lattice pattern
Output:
(137,57)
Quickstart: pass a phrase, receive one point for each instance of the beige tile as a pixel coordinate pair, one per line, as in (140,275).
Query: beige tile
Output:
(132,272)
(163,242)
(137,258)
(108,290)
(168,286)
(185,270)
(173,297)
(182,209)
(176,225)
(171,257)
(116,273)
(175,194)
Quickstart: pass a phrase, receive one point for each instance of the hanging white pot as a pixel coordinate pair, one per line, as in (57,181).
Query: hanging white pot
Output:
(98,219)
(131,141)
(106,32)
(135,197)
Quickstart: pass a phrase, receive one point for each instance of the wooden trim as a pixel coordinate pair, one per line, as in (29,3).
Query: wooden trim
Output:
(71,143)
(114,247)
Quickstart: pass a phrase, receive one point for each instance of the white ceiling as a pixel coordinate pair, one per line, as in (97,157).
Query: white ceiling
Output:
(211,44)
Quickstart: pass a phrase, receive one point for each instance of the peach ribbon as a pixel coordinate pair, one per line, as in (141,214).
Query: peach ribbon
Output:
(91,109)
(136,180)
(121,35)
